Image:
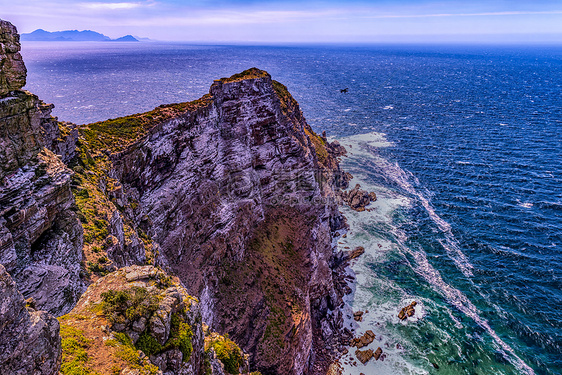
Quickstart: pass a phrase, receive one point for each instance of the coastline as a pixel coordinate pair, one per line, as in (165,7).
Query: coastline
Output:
(384,295)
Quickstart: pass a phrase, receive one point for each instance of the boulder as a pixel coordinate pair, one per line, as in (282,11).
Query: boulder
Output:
(364,355)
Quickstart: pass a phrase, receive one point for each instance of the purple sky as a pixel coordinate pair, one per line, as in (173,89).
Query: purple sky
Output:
(249,21)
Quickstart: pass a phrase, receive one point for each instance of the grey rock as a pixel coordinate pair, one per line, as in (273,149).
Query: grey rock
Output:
(40,237)
(12,69)
(29,339)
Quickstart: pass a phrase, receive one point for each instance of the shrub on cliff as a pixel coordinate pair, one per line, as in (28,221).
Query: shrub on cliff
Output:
(130,304)
(180,337)
(229,354)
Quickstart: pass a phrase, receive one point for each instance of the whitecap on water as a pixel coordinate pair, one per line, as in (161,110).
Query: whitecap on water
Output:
(382,297)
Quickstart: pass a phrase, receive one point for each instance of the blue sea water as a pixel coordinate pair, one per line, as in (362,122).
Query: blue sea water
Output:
(463,145)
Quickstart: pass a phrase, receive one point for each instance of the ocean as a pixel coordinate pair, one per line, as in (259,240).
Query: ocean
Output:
(461,143)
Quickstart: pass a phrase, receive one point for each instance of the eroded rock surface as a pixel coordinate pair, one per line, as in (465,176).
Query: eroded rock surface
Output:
(40,236)
(12,68)
(236,195)
(29,339)
(357,198)
(140,320)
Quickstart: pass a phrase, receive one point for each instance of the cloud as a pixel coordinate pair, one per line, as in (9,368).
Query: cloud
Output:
(111,6)
(514,13)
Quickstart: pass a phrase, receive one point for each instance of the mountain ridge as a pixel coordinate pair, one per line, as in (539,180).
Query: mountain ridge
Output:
(41,35)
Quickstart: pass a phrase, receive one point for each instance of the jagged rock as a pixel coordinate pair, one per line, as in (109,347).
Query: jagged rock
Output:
(377,354)
(407,311)
(358,316)
(357,252)
(335,369)
(36,218)
(12,68)
(364,355)
(29,339)
(363,340)
(172,300)
(207,183)
(357,199)
(40,236)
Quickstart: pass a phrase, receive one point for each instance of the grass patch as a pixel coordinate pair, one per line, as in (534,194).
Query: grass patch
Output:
(127,352)
(251,73)
(74,354)
(117,134)
(180,338)
(130,304)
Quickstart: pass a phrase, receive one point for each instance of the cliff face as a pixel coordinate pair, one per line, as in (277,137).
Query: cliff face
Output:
(40,237)
(233,193)
(29,339)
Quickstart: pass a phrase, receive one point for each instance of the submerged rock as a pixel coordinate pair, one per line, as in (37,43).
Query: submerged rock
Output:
(364,355)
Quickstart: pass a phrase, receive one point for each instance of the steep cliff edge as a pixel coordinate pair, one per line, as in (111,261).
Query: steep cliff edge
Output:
(235,194)
(40,237)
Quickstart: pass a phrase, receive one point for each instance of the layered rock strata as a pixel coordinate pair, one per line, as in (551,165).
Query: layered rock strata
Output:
(233,193)
(40,237)
(29,339)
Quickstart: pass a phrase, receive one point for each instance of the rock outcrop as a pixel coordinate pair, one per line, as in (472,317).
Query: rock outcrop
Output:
(29,339)
(235,194)
(139,320)
(40,236)
(12,68)
(408,311)
(357,198)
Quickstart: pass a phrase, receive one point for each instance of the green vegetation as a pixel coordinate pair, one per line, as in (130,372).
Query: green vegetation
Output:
(74,354)
(128,304)
(319,145)
(228,353)
(127,352)
(116,134)
(180,337)
(251,73)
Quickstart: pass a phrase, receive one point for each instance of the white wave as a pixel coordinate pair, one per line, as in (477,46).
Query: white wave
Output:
(389,201)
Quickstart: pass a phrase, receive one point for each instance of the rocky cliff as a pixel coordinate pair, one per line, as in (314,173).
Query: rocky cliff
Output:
(29,339)
(40,237)
(233,193)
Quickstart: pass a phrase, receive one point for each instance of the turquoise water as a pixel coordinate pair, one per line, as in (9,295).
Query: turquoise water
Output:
(463,145)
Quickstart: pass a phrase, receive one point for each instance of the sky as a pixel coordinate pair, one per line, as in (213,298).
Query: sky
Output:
(297,21)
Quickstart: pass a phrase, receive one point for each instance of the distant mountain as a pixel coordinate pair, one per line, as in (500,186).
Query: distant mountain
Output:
(41,35)
(126,38)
